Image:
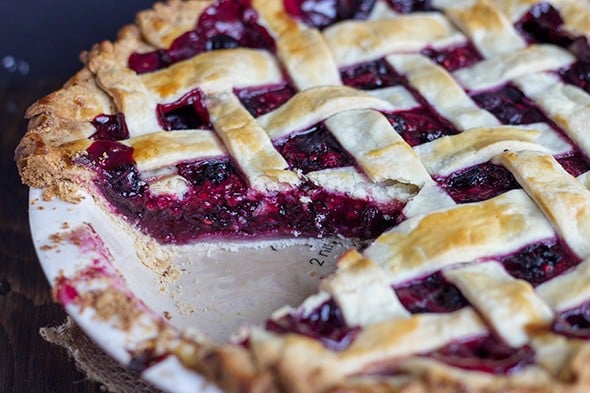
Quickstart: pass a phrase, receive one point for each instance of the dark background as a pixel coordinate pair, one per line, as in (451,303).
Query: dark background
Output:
(43,38)
(40,41)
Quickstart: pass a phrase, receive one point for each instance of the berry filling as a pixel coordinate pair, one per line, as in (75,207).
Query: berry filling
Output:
(540,262)
(574,323)
(578,74)
(223,25)
(371,75)
(418,126)
(478,183)
(581,48)
(543,23)
(510,106)
(325,324)
(432,294)
(487,354)
(575,163)
(187,113)
(219,203)
(313,149)
(455,57)
(323,13)
(261,100)
(110,127)
(117,178)
(408,6)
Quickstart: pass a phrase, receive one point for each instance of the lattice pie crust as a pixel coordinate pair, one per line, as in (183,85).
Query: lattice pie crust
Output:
(467,245)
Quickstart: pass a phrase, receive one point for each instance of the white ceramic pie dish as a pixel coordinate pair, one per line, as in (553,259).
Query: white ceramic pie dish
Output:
(214,294)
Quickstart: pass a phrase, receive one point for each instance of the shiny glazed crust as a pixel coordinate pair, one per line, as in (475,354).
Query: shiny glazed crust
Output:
(59,127)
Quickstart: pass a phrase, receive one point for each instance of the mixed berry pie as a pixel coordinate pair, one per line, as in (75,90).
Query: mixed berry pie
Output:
(447,140)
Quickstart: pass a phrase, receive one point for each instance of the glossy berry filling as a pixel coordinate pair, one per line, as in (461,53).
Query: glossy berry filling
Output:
(454,58)
(408,6)
(478,183)
(110,127)
(575,322)
(540,262)
(188,112)
(543,23)
(219,203)
(420,125)
(323,13)
(325,324)
(578,74)
(371,75)
(510,106)
(575,163)
(261,100)
(487,354)
(225,24)
(432,294)
(313,149)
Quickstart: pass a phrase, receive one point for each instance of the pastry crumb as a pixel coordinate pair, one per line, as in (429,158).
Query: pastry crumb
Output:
(56,237)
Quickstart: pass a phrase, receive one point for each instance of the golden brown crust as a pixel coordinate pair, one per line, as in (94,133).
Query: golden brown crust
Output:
(43,166)
(167,21)
(564,200)
(484,16)
(235,371)
(304,373)
(57,123)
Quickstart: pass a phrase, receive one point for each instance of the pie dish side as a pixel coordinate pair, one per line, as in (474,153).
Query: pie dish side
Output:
(445,139)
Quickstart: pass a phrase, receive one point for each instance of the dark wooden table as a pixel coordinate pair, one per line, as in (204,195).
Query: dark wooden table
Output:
(27,362)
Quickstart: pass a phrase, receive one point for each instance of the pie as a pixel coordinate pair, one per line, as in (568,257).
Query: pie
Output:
(447,140)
